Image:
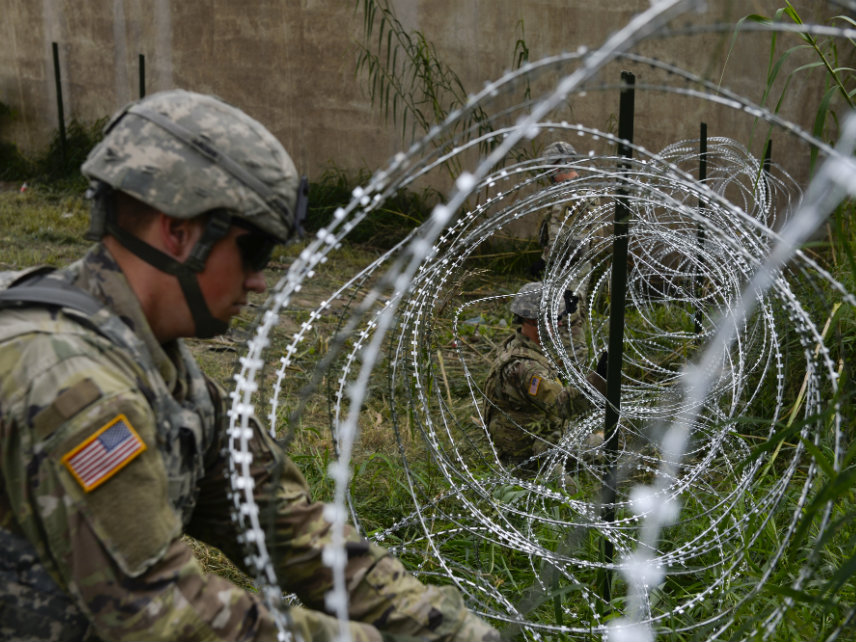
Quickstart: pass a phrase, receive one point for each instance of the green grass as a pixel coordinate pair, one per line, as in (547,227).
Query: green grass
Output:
(41,230)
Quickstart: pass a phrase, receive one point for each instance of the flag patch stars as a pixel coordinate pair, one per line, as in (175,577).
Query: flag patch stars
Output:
(104,454)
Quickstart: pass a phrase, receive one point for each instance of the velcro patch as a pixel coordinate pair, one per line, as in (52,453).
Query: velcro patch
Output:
(104,454)
(76,398)
(534,384)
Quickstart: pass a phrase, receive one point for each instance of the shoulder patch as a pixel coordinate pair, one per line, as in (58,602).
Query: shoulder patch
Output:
(102,455)
(534,384)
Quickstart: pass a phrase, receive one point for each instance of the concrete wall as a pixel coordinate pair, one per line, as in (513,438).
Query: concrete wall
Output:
(290,63)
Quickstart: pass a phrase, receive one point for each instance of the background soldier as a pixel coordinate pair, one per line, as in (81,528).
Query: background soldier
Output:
(526,406)
(112,440)
(562,231)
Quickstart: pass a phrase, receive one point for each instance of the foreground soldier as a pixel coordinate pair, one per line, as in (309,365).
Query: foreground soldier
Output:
(112,440)
(525,406)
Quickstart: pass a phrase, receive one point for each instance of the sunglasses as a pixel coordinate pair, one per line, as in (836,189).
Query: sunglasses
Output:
(255,248)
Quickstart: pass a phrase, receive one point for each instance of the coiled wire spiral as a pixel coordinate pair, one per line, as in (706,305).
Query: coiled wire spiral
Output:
(717,288)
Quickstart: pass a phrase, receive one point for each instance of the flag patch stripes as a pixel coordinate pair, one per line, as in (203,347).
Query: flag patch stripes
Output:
(104,454)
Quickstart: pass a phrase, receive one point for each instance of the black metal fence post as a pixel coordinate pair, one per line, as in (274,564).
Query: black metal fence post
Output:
(618,287)
(59,107)
(142,76)
(702,176)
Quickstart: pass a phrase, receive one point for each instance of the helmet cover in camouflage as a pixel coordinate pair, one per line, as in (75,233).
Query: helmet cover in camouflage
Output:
(527,301)
(560,152)
(184,154)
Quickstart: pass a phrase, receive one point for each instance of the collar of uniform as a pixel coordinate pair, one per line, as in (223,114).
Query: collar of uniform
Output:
(522,338)
(99,274)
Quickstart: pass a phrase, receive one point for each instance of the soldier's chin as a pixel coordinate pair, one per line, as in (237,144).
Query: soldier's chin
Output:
(213,327)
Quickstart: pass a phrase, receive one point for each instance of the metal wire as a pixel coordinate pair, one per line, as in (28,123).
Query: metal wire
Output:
(694,495)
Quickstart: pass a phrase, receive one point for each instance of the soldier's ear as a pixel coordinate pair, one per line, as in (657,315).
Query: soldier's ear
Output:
(177,236)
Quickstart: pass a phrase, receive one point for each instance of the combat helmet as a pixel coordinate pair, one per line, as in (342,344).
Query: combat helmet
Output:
(185,154)
(560,152)
(527,301)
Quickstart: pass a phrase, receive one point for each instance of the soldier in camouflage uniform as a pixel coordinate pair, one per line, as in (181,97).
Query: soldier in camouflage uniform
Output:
(112,441)
(526,406)
(561,231)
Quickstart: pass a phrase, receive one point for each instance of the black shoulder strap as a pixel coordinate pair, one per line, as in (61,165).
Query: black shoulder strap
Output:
(40,290)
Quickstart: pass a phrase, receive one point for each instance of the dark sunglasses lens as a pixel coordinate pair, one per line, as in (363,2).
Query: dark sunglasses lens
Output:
(256,250)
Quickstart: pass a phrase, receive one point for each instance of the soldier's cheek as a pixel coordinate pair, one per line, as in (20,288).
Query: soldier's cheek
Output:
(223,293)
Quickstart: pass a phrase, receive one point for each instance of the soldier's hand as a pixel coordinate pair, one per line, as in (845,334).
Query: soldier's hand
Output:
(602,364)
(598,377)
(571,302)
(598,382)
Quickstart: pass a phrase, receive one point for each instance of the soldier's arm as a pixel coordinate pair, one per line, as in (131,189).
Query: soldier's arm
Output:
(532,384)
(381,592)
(113,544)
(528,382)
(544,230)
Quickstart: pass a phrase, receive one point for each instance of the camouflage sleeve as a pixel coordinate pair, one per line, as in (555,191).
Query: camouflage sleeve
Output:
(558,214)
(530,383)
(571,402)
(112,543)
(544,231)
(382,593)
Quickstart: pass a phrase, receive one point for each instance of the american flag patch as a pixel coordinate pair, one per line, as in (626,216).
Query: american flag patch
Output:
(104,454)
(534,384)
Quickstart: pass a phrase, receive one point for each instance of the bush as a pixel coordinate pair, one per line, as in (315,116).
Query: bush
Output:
(13,165)
(61,163)
(385,226)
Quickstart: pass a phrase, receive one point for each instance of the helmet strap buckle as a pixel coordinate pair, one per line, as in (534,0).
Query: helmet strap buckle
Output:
(216,228)
(101,196)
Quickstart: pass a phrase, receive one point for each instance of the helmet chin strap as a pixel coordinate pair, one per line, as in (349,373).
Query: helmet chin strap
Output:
(207,325)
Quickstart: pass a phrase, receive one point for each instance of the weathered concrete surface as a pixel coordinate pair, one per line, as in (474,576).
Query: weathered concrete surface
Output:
(291,64)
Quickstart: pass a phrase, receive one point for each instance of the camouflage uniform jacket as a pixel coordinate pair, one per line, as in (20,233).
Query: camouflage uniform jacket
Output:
(566,221)
(525,405)
(562,238)
(90,543)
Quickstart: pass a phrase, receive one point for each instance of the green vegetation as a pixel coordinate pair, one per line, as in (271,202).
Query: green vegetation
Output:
(411,85)
(13,165)
(40,227)
(58,167)
(836,99)
(406,79)
(388,224)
